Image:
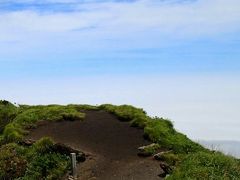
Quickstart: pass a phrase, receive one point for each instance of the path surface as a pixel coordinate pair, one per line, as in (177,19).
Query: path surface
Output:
(111,145)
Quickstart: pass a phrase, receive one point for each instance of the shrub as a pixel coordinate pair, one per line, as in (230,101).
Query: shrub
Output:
(7,113)
(12,161)
(47,166)
(35,162)
(43,145)
(13,133)
(43,162)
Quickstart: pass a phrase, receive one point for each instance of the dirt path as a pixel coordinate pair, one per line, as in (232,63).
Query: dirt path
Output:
(112,146)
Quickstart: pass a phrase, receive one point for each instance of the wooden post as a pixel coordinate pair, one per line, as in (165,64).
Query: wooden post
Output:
(74,164)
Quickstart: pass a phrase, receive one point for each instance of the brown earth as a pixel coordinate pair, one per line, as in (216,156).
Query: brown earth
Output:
(111,146)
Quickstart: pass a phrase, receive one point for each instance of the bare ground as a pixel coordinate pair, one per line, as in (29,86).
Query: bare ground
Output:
(111,146)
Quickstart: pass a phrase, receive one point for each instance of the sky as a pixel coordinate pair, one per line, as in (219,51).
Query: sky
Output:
(178,59)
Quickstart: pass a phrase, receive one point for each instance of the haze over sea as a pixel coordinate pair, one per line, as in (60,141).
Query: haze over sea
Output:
(178,59)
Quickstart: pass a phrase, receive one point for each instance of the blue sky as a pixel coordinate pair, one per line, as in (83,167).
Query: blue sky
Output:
(176,58)
(95,37)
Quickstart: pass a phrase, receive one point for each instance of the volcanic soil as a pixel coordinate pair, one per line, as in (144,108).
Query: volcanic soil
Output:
(111,147)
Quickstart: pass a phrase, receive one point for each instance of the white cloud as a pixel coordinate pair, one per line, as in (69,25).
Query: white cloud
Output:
(201,17)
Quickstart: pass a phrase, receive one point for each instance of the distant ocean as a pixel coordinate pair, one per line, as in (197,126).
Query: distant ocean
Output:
(228,147)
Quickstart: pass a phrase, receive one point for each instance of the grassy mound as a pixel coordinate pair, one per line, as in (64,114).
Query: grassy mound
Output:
(188,159)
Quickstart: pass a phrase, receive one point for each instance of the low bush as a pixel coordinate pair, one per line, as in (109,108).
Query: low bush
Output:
(44,163)
(13,133)
(35,162)
(43,145)
(48,166)
(13,163)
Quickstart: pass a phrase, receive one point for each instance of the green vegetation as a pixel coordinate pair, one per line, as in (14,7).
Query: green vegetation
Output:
(188,159)
(207,165)
(136,116)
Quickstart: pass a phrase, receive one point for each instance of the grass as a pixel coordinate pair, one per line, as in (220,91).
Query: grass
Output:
(136,116)
(207,165)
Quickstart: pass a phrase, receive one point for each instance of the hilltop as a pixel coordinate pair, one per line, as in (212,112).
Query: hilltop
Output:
(110,137)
